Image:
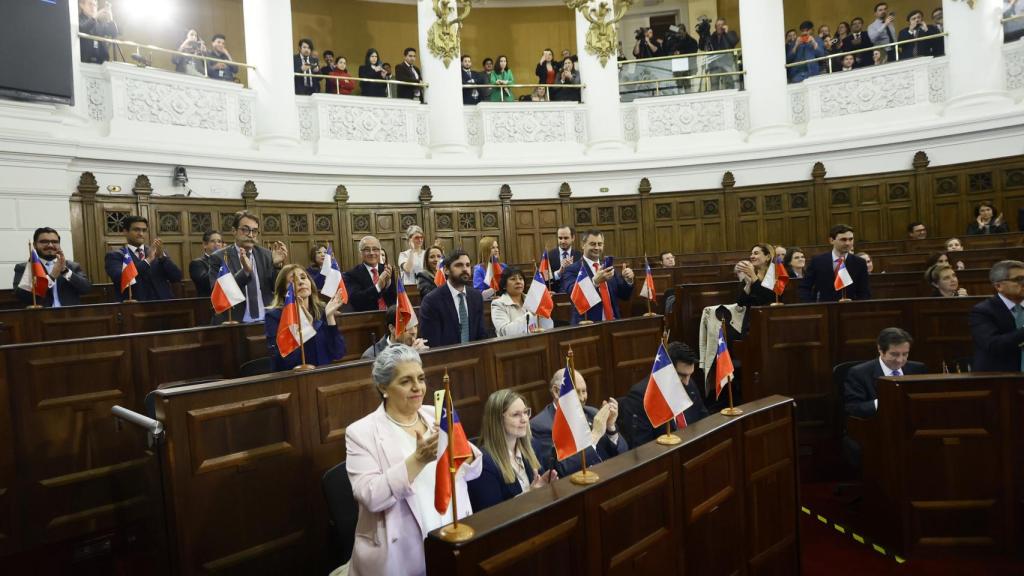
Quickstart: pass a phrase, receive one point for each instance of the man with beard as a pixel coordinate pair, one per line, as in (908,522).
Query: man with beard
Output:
(563,255)
(220,70)
(68,280)
(254,268)
(453,314)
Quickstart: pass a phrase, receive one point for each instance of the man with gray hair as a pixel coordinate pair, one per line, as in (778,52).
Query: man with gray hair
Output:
(370,284)
(997,324)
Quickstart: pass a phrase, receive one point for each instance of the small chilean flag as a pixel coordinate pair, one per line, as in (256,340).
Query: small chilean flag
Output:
(545,267)
(128,270)
(538,298)
(446,460)
(226,292)
(723,364)
(665,397)
(843,278)
(439,275)
(289,328)
(406,316)
(584,296)
(648,290)
(333,282)
(570,431)
(776,277)
(493,276)
(41,281)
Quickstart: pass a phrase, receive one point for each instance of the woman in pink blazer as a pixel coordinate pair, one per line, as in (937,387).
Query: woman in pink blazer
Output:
(392,456)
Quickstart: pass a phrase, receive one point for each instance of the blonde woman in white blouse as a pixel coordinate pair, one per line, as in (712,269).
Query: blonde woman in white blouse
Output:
(507,312)
(410,261)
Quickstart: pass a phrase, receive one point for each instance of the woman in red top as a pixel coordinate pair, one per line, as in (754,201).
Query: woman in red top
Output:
(546,69)
(341,70)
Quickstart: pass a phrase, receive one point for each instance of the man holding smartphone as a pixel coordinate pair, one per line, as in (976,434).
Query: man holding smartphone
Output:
(882,30)
(610,284)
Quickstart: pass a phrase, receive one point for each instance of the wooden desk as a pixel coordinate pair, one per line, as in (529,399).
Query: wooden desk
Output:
(722,502)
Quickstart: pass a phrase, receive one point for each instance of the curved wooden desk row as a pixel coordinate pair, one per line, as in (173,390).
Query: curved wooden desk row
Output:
(724,501)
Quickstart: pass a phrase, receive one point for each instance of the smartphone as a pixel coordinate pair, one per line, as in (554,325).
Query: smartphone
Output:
(607,262)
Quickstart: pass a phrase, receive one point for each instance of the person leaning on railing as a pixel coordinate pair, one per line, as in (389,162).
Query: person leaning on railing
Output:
(192,44)
(568,75)
(345,86)
(406,71)
(221,70)
(501,75)
(916,28)
(92,20)
(373,69)
(304,64)
(805,47)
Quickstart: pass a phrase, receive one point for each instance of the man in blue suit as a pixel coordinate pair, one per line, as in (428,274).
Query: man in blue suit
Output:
(453,313)
(610,285)
(997,324)
(818,284)
(155,267)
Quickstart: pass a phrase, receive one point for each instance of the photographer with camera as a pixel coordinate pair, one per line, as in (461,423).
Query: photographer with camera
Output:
(806,47)
(882,30)
(92,20)
(722,39)
(192,44)
(646,46)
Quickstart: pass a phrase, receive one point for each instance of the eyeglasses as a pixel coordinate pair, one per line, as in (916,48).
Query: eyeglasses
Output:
(48,242)
(517,415)
(1017,279)
(246,231)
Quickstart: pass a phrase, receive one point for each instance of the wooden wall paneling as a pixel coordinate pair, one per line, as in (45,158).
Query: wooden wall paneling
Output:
(691,223)
(922,193)
(533,229)
(525,366)
(383,222)
(632,351)
(9,517)
(619,219)
(86,221)
(187,355)
(1010,178)
(822,199)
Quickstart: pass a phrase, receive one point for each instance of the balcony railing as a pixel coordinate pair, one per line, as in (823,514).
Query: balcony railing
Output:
(143,56)
(391,85)
(680,74)
(895,47)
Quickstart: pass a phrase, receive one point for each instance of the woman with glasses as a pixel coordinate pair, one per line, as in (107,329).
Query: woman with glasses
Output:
(510,467)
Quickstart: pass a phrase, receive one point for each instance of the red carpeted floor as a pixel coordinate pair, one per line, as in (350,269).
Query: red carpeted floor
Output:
(825,551)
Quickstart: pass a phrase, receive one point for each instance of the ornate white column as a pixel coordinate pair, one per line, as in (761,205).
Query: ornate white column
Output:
(764,59)
(601,95)
(977,75)
(444,92)
(268,47)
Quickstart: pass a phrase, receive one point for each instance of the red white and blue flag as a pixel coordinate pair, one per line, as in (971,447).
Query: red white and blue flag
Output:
(584,296)
(333,282)
(570,431)
(439,279)
(843,278)
(665,397)
(538,298)
(723,364)
(447,460)
(776,277)
(226,293)
(293,325)
(34,278)
(493,276)
(648,290)
(545,267)
(406,316)
(128,270)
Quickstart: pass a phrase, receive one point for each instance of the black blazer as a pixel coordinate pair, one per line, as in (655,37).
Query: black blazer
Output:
(152,283)
(470,77)
(861,59)
(439,322)
(199,272)
(922,48)
(68,289)
(490,487)
(377,89)
(425,282)
(266,275)
(817,285)
(362,293)
(859,390)
(618,289)
(300,82)
(544,447)
(555,260)
(404,72)
(973,229)
(997,340)
(633,422)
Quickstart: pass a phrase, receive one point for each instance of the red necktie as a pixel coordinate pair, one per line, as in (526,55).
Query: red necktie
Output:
(680,421)
(140,253)
(839,264)
(606,299)
(381,305)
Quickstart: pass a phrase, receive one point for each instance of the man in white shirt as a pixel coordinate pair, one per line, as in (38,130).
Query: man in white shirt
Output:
(67,281)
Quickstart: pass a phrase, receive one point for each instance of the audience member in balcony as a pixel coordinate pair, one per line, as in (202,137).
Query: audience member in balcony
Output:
(867,260)
(67,281)
(304,64)
(567,75)
(882,30)
(547,70)
(842,33)
(879,57)
(917,231)
(795,261)
(487,249)
(501,75)
(220,70)
(370,283)
(939,44)
(807,47)
(406,71)
(847,64)
(373,69)
(431,262)
(723,39)
(470,96)
(315,268)
(916,28)
(95,22)
(485,78)
(750,273)
(943,279)
(646,46)
(327,69)
(539,94)
(819,277)
(345,86)
(192,44)
(566,53)
(1012,30)
(858,40)
(791,36)
(410,260)
(327,344)
(987,220)
(199,268)
(389,75)
(508,315)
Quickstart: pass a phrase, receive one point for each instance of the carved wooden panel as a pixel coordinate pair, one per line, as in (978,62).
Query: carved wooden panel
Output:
(617,220)
(770,494)
(527,371)
(534,229)
(712,497)
(632,353)
(341,403)
(635,523)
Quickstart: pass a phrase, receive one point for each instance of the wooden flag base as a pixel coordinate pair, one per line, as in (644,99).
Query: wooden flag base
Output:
(731,411)
(129,301)
(457,532)
(303,368)
(585,322)
(584,477)
(33,307)
(777,304)
(229,322)
(647,314)
(668,440)
(845,300)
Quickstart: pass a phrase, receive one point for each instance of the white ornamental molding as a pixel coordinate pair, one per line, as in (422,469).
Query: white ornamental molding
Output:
(361,124)
(630,130)
(530,123)
(97,93)
(474,126)
(881,91)
(307,119)
(173,105)
(721,111)
(938,77)
(246,118)
(798,104)
(741,112)
(1013,56)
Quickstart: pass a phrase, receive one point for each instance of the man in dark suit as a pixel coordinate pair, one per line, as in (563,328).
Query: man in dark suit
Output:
(858,40)
(610,284)
(860,396)
(453,313)
(95,22)
(370,284)
(603,426)
(199,268)
(668,299)
(408,337)
(470,96)
(916,28)
(68,280)
(997,324)
(254,267)
(636,426)
(818,284)
(156,269)
(304,64)
(563,255)
(406,71)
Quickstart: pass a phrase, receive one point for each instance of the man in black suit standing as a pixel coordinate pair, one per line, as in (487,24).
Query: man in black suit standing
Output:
(997,324)
(818,284)
(254,267)
(156,269)
(199,268)
(860,396)
(470,96)
(304,64)
(406,71)
(453,313)
(370,284)
(68,280)
(563,255)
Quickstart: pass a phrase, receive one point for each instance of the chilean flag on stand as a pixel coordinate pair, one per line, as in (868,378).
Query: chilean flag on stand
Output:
(439,279)
(843,278)
(226,292)
(584,296)
(648,290)
(461,451)
(34,278)
(406,316)
(723,364)
(538,298)
(493,276)
(288,330)
(545,267)
(777,277)
(570,431)
(333,281)
(128,270)
(665,397)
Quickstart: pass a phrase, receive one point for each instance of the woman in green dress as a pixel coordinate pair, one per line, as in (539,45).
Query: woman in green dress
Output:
(501,75)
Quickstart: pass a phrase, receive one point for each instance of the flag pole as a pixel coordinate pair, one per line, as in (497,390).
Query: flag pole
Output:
(229,321)
(453,532)
(731,410)
(130,300)
(844,298)
(303,367)
(777,302)
(668,438)
(649,313)
(584,476)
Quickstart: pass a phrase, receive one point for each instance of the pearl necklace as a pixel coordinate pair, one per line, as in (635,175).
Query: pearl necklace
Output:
(397,423)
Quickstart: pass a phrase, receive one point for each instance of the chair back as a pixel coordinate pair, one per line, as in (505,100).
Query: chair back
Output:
(343,512)
(256,367)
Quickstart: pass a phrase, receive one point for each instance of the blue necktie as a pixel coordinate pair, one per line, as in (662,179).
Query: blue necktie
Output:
(463,319)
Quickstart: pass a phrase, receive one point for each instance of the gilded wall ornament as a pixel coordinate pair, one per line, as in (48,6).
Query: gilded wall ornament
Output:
(443,35)
(602,37)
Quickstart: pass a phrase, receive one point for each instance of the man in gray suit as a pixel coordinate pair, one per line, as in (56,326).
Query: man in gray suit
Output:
(408,337)
(69,282)
(254,267)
